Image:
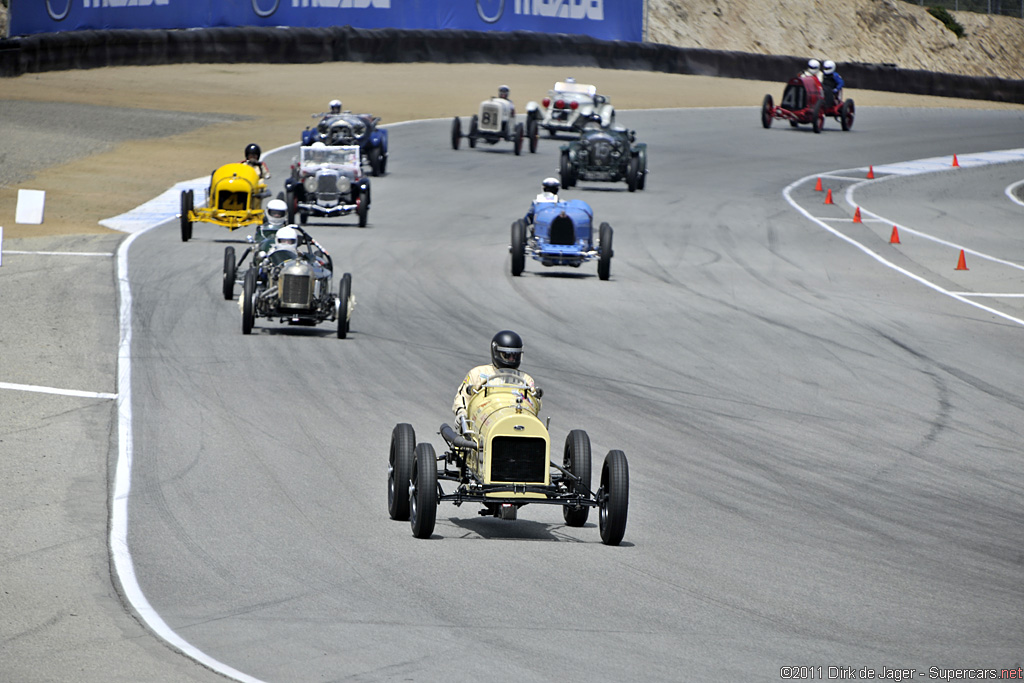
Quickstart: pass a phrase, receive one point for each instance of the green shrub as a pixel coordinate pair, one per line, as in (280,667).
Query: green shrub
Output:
(943,15)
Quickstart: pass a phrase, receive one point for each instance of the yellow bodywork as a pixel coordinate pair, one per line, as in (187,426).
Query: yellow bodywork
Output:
(234,198)
(515,446)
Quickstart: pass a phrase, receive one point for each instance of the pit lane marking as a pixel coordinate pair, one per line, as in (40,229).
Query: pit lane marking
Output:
(53,390)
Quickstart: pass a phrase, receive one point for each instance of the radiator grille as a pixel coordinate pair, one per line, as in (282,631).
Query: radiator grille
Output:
(601,153)
(327,183)
(518,459)
(562,231)
(296,290)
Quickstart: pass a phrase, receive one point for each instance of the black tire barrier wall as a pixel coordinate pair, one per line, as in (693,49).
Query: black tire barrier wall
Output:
(308,45)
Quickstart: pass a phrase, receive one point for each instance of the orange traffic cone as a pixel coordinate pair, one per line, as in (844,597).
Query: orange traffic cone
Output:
(856,216)
(894,238)
(828,196)
(962,263)
(871,172)
(817,187)
(955,162)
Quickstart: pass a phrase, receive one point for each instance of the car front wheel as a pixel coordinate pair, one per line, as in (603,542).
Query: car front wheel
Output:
(423,493)
(613,497)
(576,459)
(518,247)
(344,294)
(230,269)
(604,262)
(249,301)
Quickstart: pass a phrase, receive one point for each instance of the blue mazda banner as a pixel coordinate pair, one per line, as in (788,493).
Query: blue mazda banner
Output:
(602,19)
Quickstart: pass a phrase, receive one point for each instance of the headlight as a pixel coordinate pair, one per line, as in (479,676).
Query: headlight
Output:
(343,184)
(310,183)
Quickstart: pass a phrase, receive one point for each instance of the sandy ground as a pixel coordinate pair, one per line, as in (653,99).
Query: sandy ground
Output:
(130,157)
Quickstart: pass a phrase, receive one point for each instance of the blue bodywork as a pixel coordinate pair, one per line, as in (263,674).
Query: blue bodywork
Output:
(563,233)
(347,128)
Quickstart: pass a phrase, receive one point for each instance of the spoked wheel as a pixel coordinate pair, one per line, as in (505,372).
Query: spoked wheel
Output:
(613,497)
(423,492)
(249,301)
(230,271)
(403,447)
(187,202)
(604,261)
(517,139)
(576,459)
(533,133)
(818,122)
(344,294)
(456,132)
(518,247)
(767,111)
(846,115)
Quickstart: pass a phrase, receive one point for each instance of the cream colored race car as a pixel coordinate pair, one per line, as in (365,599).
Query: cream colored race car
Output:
(568,106)
(500,459)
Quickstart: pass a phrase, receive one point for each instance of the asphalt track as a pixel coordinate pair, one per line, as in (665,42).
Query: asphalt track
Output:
(824,451)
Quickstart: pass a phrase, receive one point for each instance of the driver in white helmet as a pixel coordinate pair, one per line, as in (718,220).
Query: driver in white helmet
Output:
(813,69)
(276,213)
(548,195)
(831,81)
(334,106)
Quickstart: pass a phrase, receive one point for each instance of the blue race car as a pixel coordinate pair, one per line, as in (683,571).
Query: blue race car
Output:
(345,128)
(558,233)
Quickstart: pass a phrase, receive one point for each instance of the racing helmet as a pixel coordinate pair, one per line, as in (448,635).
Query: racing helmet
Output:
(813,64)
(551,185)
(288,238)
(828,66)
(251,149)
(277,211)
(506,349)
(503,91)
(335,106)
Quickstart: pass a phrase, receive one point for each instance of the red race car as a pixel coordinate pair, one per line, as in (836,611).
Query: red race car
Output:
(805,101)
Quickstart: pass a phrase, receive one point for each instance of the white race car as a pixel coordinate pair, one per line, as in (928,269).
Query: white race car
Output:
(568,106)
(496,121)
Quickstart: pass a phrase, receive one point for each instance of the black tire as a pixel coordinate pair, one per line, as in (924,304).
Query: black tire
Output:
(576,459)
(613,497)
(375,161)
(344,292)
(604,261)
(474,131)
(518,247)
(631,173)
(400,459)
(767,111)
(641,176)
(846,113)
(533,133)
(423,499)
(230,272)
(565,170)
(517,139)
(303,216)
(456,132)
(292,200)
(793,124)
(249,301)
(818,120)
(364,208)
(186,207)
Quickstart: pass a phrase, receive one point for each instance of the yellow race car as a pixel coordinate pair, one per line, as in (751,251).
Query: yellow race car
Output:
(234,200)
(500,458)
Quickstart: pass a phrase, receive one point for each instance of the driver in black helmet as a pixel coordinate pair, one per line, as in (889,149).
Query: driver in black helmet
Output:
(252,157)
(506,354)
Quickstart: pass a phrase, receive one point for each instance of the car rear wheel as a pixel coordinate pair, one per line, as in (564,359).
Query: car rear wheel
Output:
(186,222)
(230,270)
(517,139)
(474,131)
(344,294)
(613,497)
(631,173)
(641,175)
(403,446)
(604,261)
(846,115)
(818,122)
(423,495)
(249,301)
(518,247)
(767,111)
(456,132)
(376,166)
(576,459)
(565,170)
(533,133)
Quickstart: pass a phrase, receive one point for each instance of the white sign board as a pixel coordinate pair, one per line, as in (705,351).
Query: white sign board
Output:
(30,207)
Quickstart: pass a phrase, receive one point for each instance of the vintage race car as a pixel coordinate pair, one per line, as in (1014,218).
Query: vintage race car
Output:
(568,106)
(233,200)
(346,128)
(604,153)
(561,234)
(496,121)
(805,101)
(327,181)
(500,458)
(294,286)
